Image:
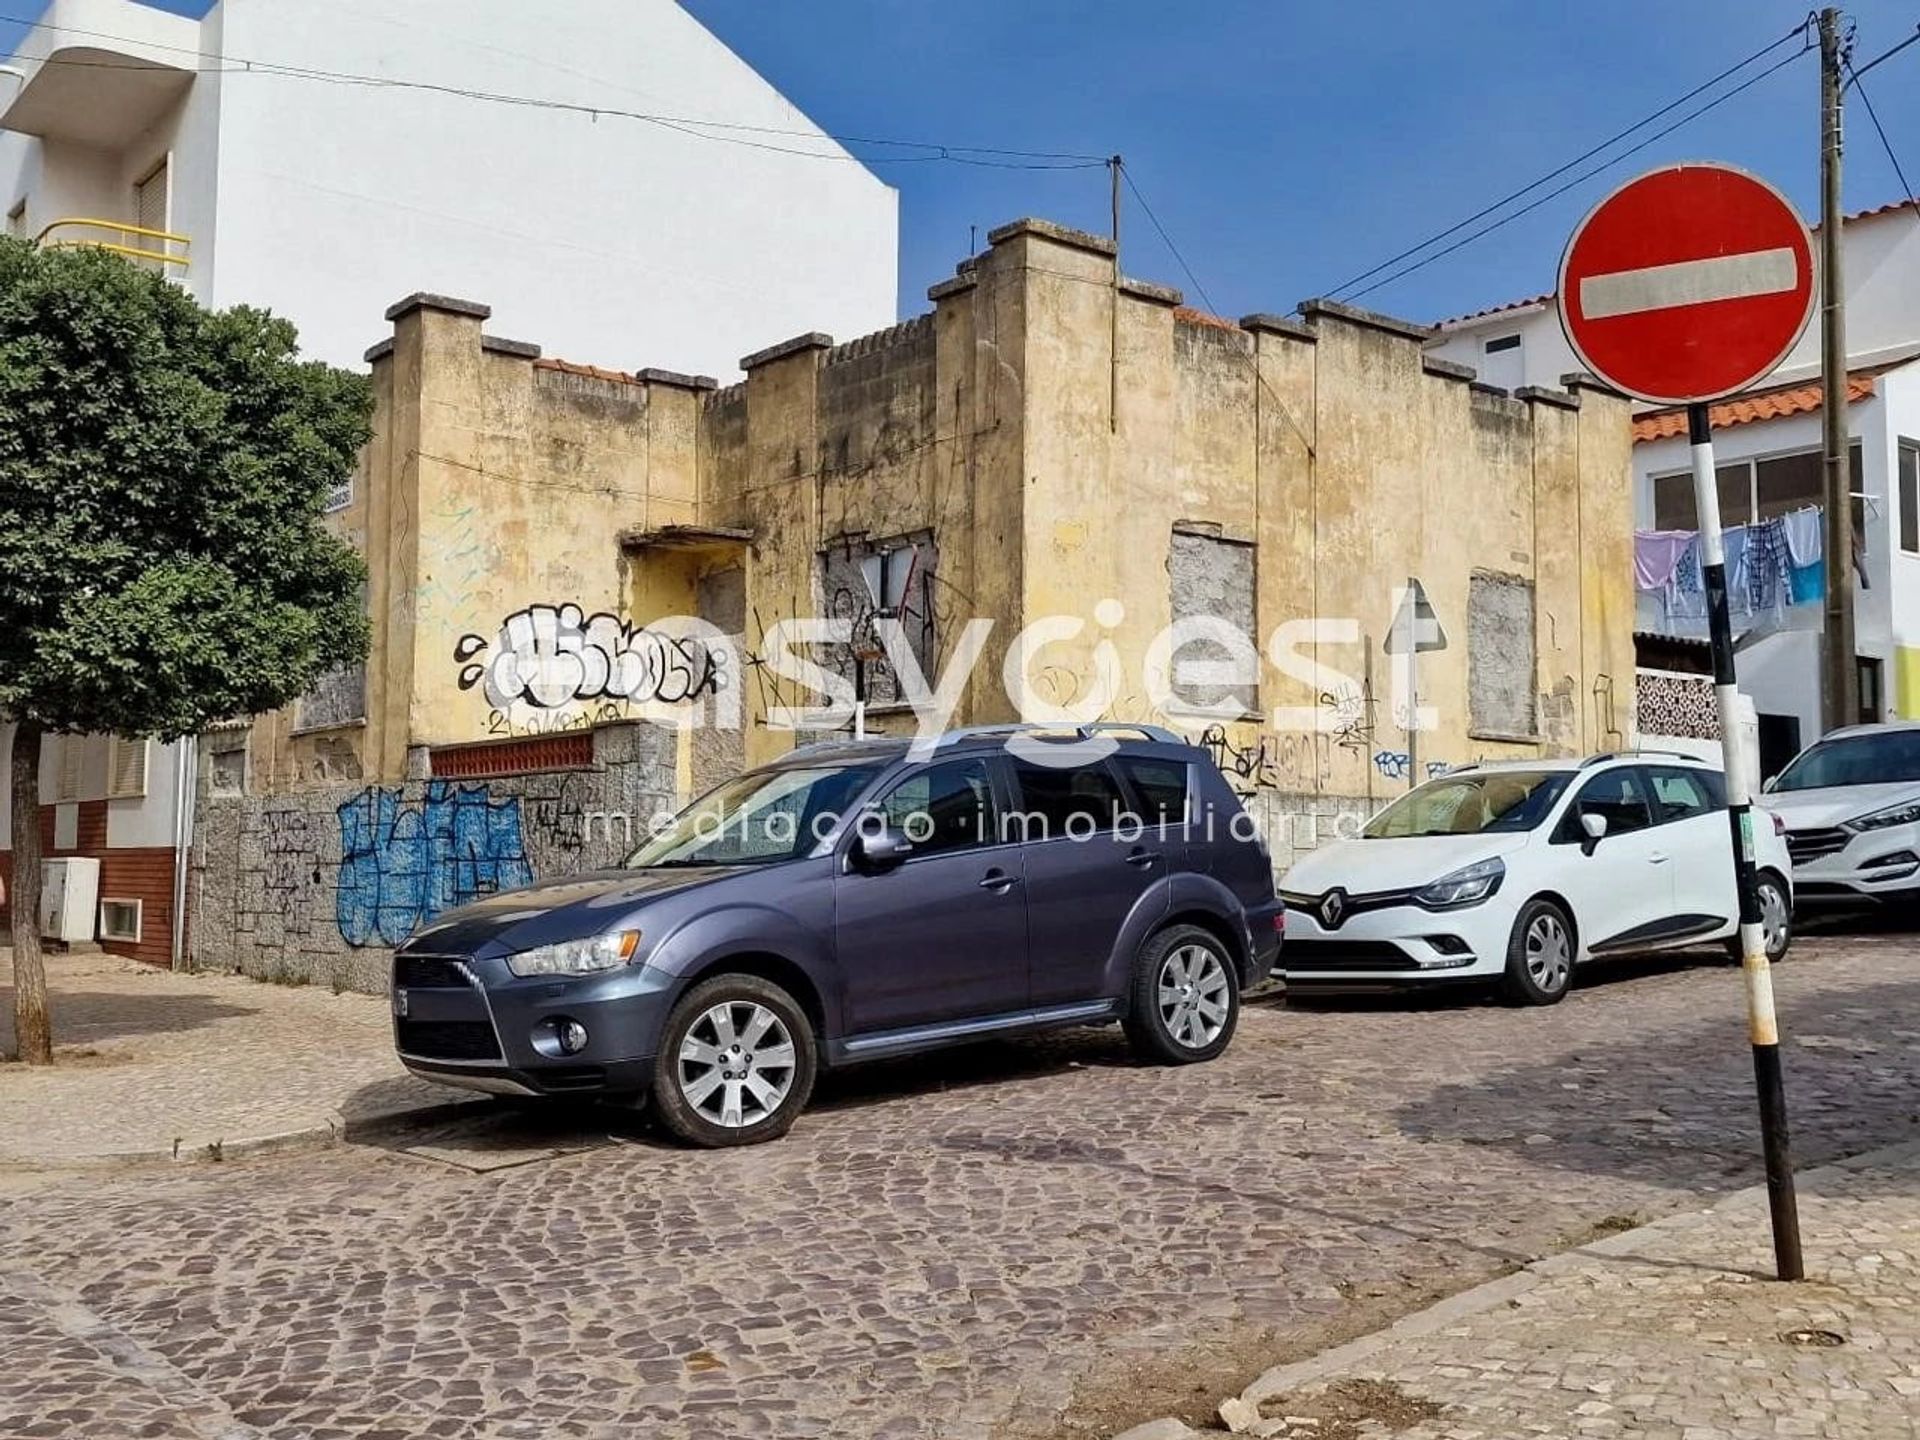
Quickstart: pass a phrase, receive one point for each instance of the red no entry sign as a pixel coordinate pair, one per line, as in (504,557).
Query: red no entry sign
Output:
(1686,284)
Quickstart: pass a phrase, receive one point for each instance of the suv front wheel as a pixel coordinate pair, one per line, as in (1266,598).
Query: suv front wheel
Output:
(736,1064)
(1185,999)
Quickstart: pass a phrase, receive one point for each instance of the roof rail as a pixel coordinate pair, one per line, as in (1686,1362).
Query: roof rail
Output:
(1157,733)
(1645,750)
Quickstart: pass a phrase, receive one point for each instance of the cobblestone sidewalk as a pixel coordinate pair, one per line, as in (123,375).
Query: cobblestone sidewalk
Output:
(1675,1331)
(154,1065)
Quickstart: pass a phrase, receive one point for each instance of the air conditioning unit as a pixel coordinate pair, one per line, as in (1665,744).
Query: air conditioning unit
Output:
(69,898)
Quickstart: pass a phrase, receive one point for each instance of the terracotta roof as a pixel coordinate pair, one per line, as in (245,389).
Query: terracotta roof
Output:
(591,372)
(1745,409)
(1201,317)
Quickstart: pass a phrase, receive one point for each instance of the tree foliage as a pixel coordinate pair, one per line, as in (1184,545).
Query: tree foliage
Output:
(163,470)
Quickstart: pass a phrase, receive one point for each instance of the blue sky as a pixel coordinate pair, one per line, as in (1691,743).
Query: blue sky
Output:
(1288,147)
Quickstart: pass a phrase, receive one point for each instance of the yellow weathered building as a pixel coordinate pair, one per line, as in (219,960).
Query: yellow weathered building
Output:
(1050,436)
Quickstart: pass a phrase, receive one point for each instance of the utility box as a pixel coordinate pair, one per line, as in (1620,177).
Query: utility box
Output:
(69,898)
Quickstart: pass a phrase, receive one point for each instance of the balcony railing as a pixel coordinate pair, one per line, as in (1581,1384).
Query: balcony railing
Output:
(136,242)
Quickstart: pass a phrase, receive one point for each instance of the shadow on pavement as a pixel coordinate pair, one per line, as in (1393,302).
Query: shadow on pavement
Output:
(1594,975)
(1678,1109)
(86,1017)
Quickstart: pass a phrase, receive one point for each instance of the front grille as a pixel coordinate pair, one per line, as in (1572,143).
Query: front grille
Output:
(1306,955)
(1805,845)
(447,1039)
(429,972)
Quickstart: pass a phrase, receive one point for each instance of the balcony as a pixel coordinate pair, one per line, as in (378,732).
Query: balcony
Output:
(162,249)
(66,83)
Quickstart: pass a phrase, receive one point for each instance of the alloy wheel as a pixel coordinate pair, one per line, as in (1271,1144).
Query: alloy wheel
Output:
(1773,919)
(1549,953)
(1194,996)
(736,1063)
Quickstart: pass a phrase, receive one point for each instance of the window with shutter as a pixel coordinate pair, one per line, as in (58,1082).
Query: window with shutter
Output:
(69,764)
(126,768)
(150,211)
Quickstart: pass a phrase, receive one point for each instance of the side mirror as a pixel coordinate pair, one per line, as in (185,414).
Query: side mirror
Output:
(877,850)
(1594,827)
(1766,785)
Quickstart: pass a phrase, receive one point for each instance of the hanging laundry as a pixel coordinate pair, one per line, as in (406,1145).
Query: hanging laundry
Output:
(1656,554)
(1687,596)
(1733,545)
(1806,536)
(1767,571)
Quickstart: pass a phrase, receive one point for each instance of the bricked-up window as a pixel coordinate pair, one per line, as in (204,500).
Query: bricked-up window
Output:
(126,768)
(1500,655)
(1212,577)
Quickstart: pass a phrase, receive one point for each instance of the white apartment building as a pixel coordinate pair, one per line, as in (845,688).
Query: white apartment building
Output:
(293,183)
(1767,448)
(313,159)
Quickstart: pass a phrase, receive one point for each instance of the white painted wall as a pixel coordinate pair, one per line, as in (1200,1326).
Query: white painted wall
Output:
(133,823)
(615,241)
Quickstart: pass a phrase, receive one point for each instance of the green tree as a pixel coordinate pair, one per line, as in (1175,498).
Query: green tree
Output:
(163,470)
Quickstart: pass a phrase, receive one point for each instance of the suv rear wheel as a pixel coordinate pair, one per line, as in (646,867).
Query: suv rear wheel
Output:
(736,1064)
(1185,999)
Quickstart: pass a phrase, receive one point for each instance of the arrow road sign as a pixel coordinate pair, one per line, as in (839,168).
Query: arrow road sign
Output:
(1415,616)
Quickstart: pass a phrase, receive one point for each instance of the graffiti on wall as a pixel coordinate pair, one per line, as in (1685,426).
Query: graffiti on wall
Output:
(404,862)
(552,656)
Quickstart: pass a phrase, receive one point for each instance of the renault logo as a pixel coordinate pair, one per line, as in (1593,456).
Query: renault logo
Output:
(1333,909)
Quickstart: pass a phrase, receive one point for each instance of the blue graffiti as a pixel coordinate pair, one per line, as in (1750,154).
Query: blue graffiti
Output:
(1393,764)
(402,863)
(1437,768)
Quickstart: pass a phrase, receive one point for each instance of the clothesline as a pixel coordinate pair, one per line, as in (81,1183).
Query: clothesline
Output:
(1771,564)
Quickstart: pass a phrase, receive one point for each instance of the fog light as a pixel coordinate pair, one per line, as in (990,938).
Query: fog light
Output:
(572,1036)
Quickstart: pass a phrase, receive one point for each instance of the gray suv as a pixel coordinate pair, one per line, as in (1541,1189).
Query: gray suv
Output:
(854,902)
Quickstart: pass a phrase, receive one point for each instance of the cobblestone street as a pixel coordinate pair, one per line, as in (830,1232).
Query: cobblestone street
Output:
(1025,1240)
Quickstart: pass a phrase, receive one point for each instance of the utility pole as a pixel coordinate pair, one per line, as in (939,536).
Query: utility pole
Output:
(1113,356)
(1840,690)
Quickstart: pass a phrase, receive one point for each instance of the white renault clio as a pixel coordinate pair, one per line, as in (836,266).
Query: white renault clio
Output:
(1518,872)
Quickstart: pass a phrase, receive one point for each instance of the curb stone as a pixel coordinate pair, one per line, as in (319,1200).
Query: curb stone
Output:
(336,1129)
(1480,1298)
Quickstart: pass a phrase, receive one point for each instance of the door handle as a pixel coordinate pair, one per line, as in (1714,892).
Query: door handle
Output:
(1657,859)
(1143,858)
(999,881)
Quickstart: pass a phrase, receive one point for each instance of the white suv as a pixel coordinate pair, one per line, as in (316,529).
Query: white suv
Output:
(1518,872)
(1851,805)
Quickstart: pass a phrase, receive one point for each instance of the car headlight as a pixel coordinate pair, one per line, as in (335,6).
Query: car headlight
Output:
(1467,886)
(577,957)
(1905,813)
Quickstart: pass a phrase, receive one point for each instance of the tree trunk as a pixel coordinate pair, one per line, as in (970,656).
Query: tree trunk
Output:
(32,1031)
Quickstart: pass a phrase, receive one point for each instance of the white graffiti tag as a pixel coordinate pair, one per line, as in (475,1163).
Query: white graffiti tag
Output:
(548,656)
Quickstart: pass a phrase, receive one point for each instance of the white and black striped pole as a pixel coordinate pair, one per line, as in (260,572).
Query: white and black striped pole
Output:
(1763,1029)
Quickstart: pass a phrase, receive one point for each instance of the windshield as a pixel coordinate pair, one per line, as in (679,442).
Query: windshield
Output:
(1889,755)
(758,818)
(1472,803)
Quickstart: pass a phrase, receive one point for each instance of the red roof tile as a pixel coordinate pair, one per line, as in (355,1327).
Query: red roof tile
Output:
(1200,317)
(1745,409)
(592,372)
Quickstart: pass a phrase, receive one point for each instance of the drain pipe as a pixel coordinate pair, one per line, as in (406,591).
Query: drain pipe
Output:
(186,758)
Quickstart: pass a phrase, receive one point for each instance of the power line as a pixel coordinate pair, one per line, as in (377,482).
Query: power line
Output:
(1608,143)
(987,156)
(1583,177)
(1206,300)
(1899,173)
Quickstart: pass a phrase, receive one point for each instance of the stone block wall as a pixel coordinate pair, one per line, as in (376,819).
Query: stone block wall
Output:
(318,886)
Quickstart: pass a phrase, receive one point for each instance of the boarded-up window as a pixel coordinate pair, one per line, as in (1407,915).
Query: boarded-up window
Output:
(907,570)
(1212,578)
(126,768)
(1500,655)
(338,698)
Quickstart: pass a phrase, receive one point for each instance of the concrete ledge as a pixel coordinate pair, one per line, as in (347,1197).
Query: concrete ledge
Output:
(379,351)
(1448,369)
(1480,387)
(1548,397)
(423,300)
(654,376)
(1048,230)
(953,285)
(1262,322)
(500,345)
(1372,319)
(1586,380)
(1147,290)
(812,340)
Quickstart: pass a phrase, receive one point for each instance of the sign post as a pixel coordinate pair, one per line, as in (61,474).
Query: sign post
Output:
(1684,285)
(1415,629)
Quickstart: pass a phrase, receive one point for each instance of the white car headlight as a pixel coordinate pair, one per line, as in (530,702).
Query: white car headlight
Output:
(1466,886)
(578,957)
(1905,813)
